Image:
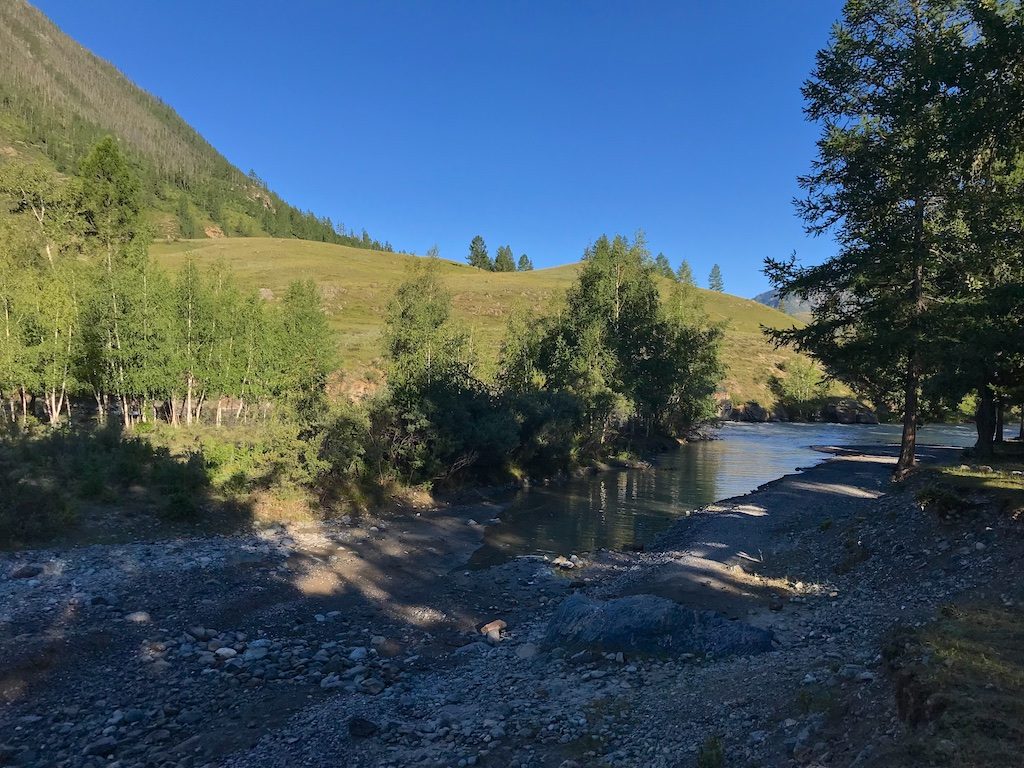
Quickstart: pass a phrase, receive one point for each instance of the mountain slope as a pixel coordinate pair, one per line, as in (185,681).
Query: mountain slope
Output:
(791,305)
(57,99)
(357,285)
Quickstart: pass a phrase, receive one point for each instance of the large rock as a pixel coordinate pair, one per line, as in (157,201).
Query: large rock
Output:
(649,625)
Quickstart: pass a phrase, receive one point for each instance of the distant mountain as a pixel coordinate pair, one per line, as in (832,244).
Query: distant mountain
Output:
(791,305)
(57,99)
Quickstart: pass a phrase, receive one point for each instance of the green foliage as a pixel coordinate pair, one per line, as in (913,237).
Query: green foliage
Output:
(663,267)
(684,274)
(629,364)
(525,265)
(436,419)
(800,389)
(715,281)
(478,256)
(503,260)
(916,176)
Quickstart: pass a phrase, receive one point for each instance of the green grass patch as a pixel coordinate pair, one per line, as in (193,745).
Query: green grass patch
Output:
(960,686)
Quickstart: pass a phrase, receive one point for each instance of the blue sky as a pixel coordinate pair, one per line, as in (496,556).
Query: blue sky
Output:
(538,124)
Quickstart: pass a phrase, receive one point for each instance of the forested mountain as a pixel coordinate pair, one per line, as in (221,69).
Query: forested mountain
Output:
(57,99)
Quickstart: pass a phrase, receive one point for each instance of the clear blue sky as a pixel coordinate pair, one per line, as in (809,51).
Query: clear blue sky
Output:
(539,124)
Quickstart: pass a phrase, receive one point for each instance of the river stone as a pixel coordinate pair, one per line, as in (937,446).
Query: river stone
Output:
(649,625)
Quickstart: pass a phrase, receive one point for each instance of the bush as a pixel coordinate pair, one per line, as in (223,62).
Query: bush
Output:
(30,511)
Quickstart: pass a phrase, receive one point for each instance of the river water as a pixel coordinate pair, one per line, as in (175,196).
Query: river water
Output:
(622,509)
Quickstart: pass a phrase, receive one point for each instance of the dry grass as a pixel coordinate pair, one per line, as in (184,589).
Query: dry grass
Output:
(357,285)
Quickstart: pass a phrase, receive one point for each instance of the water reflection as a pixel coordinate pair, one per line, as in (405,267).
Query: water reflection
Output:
(627,508)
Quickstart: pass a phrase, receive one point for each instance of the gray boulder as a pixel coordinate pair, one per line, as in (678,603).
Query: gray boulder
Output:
(650,625)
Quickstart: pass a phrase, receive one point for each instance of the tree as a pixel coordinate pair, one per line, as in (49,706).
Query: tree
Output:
(305,351)
(187,228)
(885,92)
(525,265)
(662,266)
(715,282)
(684,274)
(478,256)
(503,260)
(111,203)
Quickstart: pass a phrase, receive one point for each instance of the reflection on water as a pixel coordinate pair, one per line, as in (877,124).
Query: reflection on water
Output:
(626,508)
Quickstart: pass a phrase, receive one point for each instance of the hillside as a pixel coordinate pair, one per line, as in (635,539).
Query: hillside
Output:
(57,99)
(357,284)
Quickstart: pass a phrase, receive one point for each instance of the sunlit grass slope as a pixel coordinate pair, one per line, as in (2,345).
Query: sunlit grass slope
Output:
(357,285)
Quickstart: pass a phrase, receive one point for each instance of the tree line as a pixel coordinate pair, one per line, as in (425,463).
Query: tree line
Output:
(503,260)
(84,311)
(920,176)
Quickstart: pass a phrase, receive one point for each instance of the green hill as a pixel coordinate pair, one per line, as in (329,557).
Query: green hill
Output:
(357,284)
(57,99)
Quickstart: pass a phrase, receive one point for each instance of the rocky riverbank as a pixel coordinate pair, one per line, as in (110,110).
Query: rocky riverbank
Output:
(754,629)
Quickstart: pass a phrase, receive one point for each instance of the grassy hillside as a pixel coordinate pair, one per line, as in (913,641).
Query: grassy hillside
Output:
(57,99)
(357,284)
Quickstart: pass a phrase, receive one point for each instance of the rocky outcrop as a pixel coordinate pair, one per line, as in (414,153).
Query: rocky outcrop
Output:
(839,411)
(649,625)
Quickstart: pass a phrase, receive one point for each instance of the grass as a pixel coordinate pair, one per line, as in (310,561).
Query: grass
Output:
(954,492)
(357,285)
(960,685)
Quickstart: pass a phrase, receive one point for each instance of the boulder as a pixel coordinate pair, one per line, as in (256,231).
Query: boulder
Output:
(649,625)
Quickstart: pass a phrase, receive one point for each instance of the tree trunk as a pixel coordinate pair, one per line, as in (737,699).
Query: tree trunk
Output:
(188,401)
(173,410)
(985,422)
(999,420)
(908,441)
(220,410)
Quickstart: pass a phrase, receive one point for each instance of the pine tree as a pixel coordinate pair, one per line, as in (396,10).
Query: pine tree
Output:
(663,267)
(715,282)
(684,274)
(503,260)
(525,265)
(478,256)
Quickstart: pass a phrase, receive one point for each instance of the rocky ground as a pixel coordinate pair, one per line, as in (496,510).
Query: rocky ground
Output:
(370,645)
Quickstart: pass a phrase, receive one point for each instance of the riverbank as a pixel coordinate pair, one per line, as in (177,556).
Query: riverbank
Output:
(332,644)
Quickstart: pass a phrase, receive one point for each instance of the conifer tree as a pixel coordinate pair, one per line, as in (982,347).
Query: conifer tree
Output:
(503,260)
(715,282)
(684,274)
(525,265)
(662,266)
(478,256)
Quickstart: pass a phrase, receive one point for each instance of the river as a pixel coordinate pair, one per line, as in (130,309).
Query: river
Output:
(622,509)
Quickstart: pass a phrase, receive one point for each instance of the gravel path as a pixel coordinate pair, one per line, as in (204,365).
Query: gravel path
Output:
(359,646)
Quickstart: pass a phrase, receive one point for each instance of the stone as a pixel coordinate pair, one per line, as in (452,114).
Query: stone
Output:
(650,625)
(27,571)
(138,617)
(527,651)
(361,728)
(372,686)
(226,653)
(358,654)
(563,562)
(255,652)
(103,747)
(492,629)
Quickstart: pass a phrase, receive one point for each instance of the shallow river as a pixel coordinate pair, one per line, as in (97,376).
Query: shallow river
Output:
(624,508)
